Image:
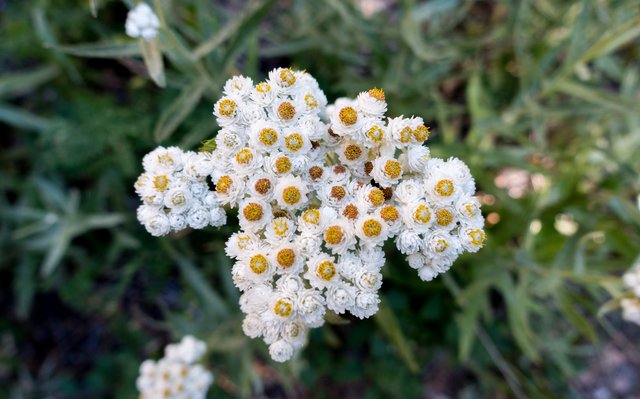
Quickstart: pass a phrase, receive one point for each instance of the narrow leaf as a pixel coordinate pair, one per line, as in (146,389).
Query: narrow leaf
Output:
(178,111)
(388,323)
(210,299)
(102,50)
(153,60)
(251,17)
(24,82)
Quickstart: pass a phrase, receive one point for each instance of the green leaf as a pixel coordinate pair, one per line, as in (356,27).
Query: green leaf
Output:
(597,96)
(210,299)
(388,323)
(178,111)
(24,82)
(101,50)
(23,119)
(568,307)
(237,28)
(613,39)
(153,60)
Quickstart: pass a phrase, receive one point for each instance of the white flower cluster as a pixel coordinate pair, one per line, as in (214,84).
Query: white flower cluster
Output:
(319,189)
(174,192)
(631,306)
(176,376)
(142,22)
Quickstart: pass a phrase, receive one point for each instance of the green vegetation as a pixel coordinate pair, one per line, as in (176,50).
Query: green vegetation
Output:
(540,97)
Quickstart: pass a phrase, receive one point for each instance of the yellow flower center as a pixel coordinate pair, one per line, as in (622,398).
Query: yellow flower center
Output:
(315,172)
(280,227)
(348,116)
(441,245)
(165,160)
(352,152)
(478,237)
(286,257)
(286,110)
(350,212)
(287,77)
(244,156)
(389,213)
(224,184)
(283,165)
(160,182)
(291,195)
(263,87)
(406,134)
(268,136)
(371,228)
(334,235)
(376,93)
(392,169)
(258,264)
(226,107)
(444,217)
(338,192)
(243,242)
(293,142)
(311,216)
(253,212)
(422,214)
(178,199)
(471,209)
(375,134)
(445,187)
(262,186)
(310,100)
(421,133)
(283,308)
(376,196)
(326,270)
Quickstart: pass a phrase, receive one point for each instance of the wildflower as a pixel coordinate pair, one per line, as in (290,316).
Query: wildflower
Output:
(142,22)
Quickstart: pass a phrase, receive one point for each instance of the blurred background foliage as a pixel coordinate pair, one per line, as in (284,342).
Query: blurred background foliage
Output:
(540,97)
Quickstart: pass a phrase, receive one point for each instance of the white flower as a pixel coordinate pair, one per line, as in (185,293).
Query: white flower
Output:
(409,242)
(472,239)
(238,86)
(252,325)
(415,159)
(156,222)
(418,216)
(372,102)
(142,22)
(281,351)
(368,280)
(310,305)
(280,229)
(218,217)
(322,271)
(198,217)
(230,189)
(240,242)
(339,237)
(163,161)
(291,193)
(469,213)
(346,120)
(254,214)
(179,199)
(287,258)
(227,110)
(366,304)
(371,231)
(340,297)
(386,171)
(265,136)
(176,375)
(177,221)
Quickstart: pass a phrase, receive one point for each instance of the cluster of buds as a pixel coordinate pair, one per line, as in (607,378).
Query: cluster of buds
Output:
(176,375)
(319,189)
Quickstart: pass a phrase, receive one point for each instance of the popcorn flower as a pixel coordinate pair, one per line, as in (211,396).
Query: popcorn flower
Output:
(142,22)
(319,189)
(176,375)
